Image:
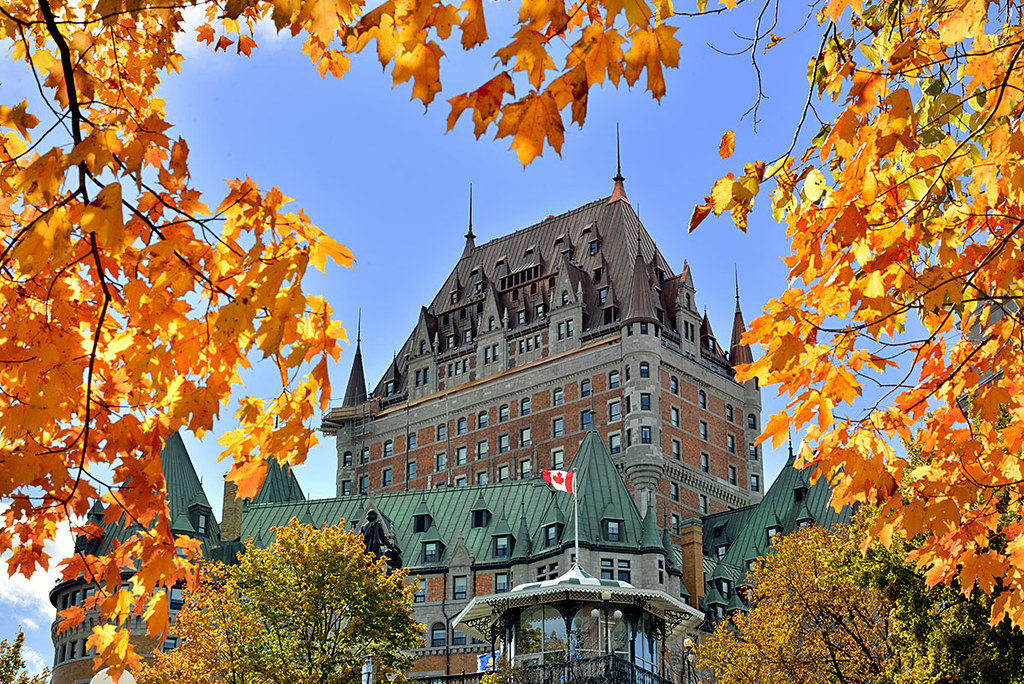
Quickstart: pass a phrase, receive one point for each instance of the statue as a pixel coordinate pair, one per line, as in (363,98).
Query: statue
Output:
(375,537)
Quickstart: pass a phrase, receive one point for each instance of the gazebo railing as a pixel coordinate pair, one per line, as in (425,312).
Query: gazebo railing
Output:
(600,670)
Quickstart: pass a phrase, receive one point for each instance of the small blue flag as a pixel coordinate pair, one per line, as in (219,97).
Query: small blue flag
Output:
(486,662)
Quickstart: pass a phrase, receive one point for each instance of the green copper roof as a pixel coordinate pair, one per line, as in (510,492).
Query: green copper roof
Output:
(185,496)
(530,503)
(790,501)
(279,485)
(649,538)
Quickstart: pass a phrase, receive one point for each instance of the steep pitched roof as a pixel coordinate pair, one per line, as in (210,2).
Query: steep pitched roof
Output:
(640,306)
(739,353)
(279,485)
(355,393)
(790,502)
(184,491)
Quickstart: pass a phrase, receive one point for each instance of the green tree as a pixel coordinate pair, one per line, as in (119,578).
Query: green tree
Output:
(310,608)
(12,664)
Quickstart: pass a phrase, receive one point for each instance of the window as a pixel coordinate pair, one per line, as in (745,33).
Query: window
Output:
(593,246)
(460,455)
(431,552)
(730,443)
(538,311)
(586,419)
(502,443)
(364,483)
(645,370)
(389,448)
(556,396)
(410,470)
(481,448)
(347,458)
(729,413)
(772,532)
(624,574)
(629,405)
(613,379)
(500,582)
(423,347)
(643,331)
(752,451)
(629,330)
(502,546)
(755,483)
(450,342)
(673,385)
(440,460)
(645,401)
(703,504)
(607,568)
(467,335)
(704,430)
(627,373)
(480,518)
(732,474)
(364,455)
(503,472)
(613,530)
(702,399)
(438,635)
(385,477)
(558,427)
(568,328)
(558,459)
(481,419)
(751,421)
(346,488)
(705,462)
(176,601)
(411,440)
(503,413)
(482,478)
(675,491)
(525,436)
(565,297)
(202,525)
(677,450)
(524,407)
(585,388)
(675,523)
(645,434)
(460,426)
(458,638)
(525,468)
(74,650)
(442,432)
(459,589)
(615,410)
(170,643)
(675,416)
(550,535)
(615,443)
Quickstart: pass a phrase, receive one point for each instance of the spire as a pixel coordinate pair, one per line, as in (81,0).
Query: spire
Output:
(355,393)
(470,237)
(640,306)
(619,192)
(792,459)
(739,353)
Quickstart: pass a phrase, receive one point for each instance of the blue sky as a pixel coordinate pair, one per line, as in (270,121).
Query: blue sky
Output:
(381,176)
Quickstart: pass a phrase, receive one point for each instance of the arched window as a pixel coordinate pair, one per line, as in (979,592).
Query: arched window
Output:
(645,370)
(438,635)
(702,399)
(673,385)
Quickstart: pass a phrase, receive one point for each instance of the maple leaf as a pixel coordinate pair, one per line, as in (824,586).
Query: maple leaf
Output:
(485,102)
(599,51)
(530,121)
(422,65)
(651,49)
(728,144)
(474,29)
(529,54)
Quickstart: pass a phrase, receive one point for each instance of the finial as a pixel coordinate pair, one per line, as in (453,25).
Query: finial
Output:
(618,157)
(359,327)
(791,444)
(736,270)
(469,233)
(639,252)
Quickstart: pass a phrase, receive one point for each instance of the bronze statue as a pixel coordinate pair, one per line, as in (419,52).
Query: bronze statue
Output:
(375,537)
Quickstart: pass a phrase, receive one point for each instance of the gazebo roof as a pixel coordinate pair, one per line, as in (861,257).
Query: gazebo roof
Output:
(479,616)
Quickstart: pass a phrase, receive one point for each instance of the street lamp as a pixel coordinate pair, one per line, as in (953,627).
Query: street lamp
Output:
(689,661)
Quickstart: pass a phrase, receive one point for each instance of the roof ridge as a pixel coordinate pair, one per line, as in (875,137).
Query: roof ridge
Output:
(552,217)
(411,492)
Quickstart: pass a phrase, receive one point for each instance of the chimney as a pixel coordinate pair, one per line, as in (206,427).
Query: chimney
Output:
(692,543)
(231,514)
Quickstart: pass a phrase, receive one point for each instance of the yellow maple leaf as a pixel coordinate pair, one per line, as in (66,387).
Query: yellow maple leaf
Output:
(103,216)
(528,49)
(651,49)
(530,121)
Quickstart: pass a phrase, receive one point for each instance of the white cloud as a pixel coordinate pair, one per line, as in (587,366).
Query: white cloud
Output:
(33,592)
(34,661)
(28,622)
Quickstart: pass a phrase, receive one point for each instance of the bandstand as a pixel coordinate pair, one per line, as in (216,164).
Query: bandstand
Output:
(578,628)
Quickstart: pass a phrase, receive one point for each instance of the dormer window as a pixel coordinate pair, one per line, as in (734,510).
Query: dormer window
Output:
(726,588)
(613,530)
(551,535)
(593,246)
(720,550)
(420,523)
(598,272)
(521,318)
(431,552)
(719,530)
(502,546)
(455,297)
(389,388)
(201,523)
(799,494)
(423,347)
(771,532)
(565,297)
(602,295)
(481,518)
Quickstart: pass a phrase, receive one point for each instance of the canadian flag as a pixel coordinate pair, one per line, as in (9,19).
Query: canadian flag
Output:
(560,479)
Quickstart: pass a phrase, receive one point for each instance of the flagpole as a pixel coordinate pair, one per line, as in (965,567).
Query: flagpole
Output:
(576,515)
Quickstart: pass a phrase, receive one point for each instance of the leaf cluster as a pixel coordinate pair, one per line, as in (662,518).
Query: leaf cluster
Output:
(12,663)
